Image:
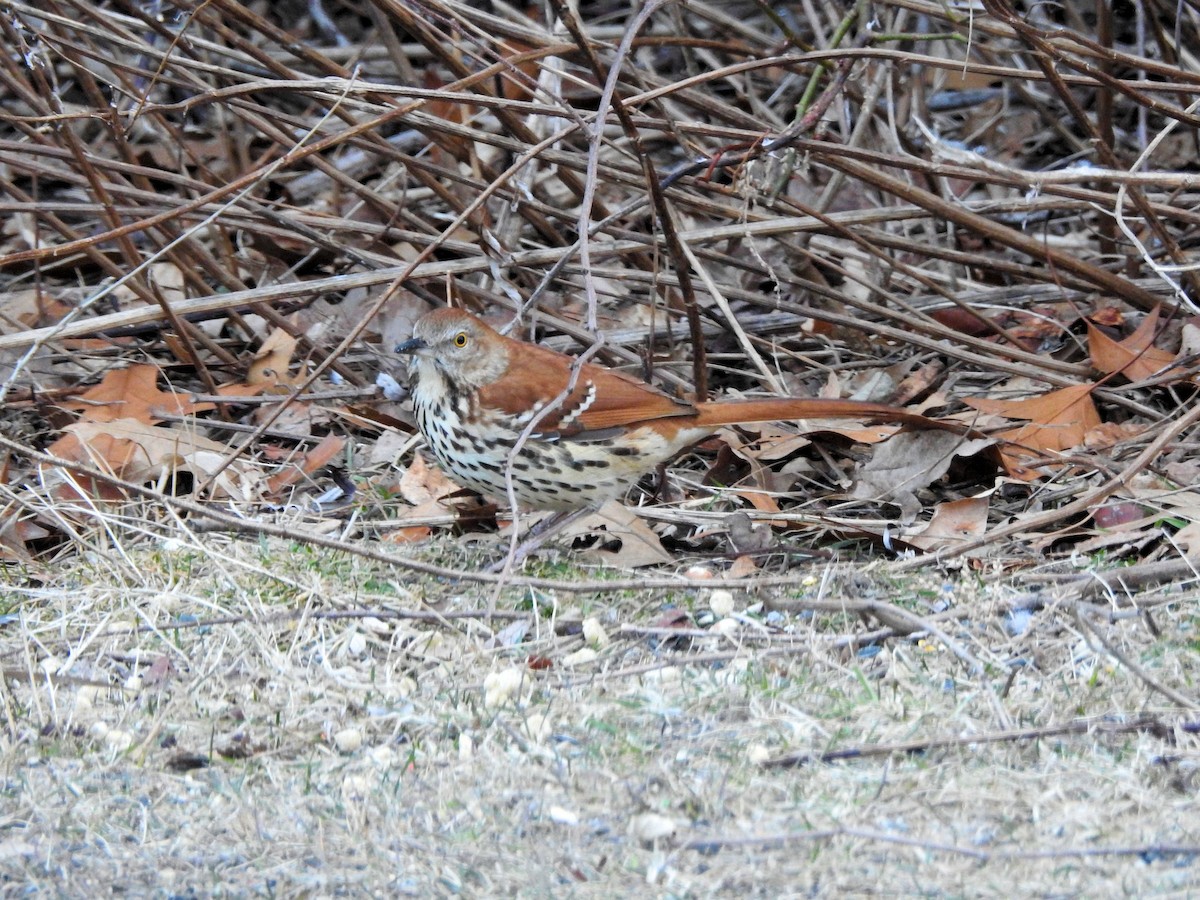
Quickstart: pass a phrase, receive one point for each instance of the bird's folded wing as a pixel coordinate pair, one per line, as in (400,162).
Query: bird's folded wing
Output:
(600,398)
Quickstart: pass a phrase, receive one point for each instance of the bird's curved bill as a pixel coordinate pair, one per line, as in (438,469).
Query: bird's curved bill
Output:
(412,345)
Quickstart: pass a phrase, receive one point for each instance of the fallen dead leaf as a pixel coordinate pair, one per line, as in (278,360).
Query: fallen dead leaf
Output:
(1188,537)
(422,483)
(1058,421)
(1135,357)
(742,567)
(316,458)
(640,546)
(952,523)
(134,451)
(909,462)
(132,393)
(273,362)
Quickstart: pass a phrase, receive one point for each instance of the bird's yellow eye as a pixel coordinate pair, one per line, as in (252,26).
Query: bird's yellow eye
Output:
(460,339)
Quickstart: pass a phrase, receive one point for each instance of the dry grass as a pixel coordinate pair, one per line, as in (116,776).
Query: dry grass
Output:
(337,750)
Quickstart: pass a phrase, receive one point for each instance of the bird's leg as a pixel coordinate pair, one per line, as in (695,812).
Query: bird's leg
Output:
(661,486)
(541,532)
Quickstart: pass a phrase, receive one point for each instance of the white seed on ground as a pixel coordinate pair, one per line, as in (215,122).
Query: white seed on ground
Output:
(375,625)
(348,740)
(118,739)
(466,747)
(87,695)
(356,787)
(561,816)
(721,603)
(594,634)
(757,754)
(382,757)
(726,627)
(580,657)
(500,687)
(651,827)
(538,726)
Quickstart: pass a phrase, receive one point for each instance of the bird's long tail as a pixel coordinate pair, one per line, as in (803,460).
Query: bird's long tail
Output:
(786,409)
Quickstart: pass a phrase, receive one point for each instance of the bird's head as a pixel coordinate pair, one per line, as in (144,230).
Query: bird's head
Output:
(465,350)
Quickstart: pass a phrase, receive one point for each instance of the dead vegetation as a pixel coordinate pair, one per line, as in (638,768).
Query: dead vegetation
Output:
(247,639)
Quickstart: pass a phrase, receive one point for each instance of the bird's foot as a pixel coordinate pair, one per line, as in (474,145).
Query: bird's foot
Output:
(541,532)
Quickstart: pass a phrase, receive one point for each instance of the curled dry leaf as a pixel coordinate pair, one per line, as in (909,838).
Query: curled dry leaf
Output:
(1106,434)
(908,463)
(1058,421)
(742,567)
(917,383)
(272,364)
(1188,537)
(1135,357)
(134,451)
(16,534)
(36,307)
(316,458)
(428,490)
(422,483)
(952,524)
(639,547)
(132,393)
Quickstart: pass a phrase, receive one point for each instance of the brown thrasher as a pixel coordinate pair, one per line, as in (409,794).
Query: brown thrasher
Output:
(597,431)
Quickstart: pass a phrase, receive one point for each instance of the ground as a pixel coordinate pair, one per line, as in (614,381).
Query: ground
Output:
(223,718)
